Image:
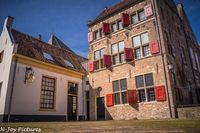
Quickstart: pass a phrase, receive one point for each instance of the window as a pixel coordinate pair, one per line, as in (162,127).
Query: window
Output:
(47,99)
(98,57)
(145,87)
(1,83)
(114,27)
(141,15)
(68,63)
(119,25)
(98,34)
(193,59)
(141,45)
(87,83)
(48,56)
(183,55)
(72,88)
(120,91)
(134,19)
(118,53)
(197,61)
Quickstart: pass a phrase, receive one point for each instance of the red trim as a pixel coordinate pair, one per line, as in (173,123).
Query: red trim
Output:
(91,66)
(160,93)
(106,28)
(90,36)
(132,96)
(109,100)
(148,11)
(128,54)
(107,60)
(154,47)
(125,19)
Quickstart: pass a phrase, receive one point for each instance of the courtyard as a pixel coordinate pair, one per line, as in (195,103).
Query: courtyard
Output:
(122,126)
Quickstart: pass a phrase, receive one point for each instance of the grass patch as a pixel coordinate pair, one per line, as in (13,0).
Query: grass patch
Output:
(183,125)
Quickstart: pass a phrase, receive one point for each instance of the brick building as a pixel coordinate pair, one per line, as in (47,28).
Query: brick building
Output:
(144,61)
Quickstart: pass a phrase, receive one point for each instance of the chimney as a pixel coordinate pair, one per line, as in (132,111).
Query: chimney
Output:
(8,22)
(40,37)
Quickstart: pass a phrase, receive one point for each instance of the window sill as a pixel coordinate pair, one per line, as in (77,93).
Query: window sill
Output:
(113,66)
(152,102)
(49,110)
(147,57)
(118,105)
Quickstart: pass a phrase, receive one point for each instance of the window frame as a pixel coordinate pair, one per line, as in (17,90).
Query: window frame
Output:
(118,54)
(139,19)
(53,100)
(99,32)
(145,88)
(98,63)
(120,91)
(113,30)
(134,14)
(141,46)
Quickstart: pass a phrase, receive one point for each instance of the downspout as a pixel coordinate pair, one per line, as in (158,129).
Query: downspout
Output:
(163,63)
(83,96)
(12,88)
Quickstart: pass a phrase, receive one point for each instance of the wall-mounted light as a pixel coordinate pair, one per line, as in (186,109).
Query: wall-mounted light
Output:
(29,75)
(170,66)
(99,89)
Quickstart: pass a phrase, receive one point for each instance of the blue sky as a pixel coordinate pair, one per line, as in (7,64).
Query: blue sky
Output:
(67,19)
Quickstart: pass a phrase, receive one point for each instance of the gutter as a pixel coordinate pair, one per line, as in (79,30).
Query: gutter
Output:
(12,88)
(162,56)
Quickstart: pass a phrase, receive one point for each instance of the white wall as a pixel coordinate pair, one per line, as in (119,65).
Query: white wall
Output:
(26,97)
(7,46)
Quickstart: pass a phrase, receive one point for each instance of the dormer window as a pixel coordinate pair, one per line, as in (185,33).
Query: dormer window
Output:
(68,63)
(48,56)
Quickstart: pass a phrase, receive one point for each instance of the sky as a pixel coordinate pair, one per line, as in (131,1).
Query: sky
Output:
(67,19)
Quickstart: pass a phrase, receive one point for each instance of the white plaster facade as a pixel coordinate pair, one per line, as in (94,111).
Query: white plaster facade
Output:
(18,98)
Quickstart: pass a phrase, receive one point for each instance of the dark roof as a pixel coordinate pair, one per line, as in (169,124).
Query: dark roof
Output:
(34,48)
(58,43)
(114,9)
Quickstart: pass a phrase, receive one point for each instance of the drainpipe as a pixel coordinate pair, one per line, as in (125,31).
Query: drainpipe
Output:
(12,88)
(162,56)
(83,96)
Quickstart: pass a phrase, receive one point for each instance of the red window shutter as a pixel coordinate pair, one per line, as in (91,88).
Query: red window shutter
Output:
(160,93)
(148,11)
(128,54)
(109,100)
(125,19)
(106,28)
(90,37)
(91,66)
(107,60)
(154,47)
(132,96)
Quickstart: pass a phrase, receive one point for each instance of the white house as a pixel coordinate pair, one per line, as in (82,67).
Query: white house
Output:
(40,81)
